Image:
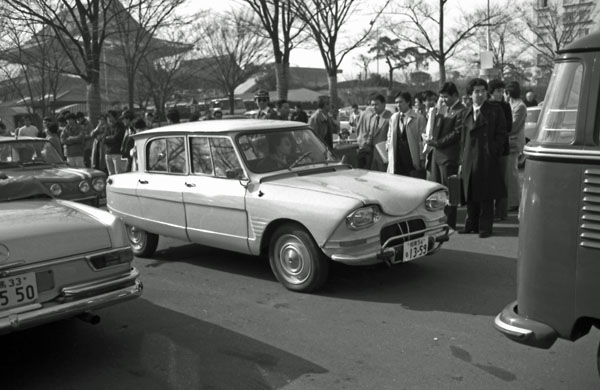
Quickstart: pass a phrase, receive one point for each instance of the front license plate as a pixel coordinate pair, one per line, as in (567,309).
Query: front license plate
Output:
(416,248)
(18,290)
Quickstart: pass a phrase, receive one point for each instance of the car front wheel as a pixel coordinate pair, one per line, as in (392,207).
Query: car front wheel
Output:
(296,260)
(142,243)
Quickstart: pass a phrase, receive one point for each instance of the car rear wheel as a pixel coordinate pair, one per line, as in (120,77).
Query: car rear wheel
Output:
(142,243)
(296,260)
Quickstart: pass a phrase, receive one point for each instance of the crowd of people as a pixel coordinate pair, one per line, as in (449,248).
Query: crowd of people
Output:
(476,138)
(108,146)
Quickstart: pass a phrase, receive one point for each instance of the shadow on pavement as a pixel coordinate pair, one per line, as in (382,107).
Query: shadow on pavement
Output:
(139,345)
(450,281)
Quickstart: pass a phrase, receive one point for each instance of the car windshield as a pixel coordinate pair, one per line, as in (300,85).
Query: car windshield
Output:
(283,149)
(28,152)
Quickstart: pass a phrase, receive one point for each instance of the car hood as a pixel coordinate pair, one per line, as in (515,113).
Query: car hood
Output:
(37,230)
(396,195)
(54,174)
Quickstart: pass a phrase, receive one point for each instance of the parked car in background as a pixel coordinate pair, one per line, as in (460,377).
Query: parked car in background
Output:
(58,259)
(38,158)
(273,188)
(533,114)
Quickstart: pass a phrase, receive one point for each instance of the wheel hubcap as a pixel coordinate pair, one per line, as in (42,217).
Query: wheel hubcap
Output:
(136,237)
(293,259)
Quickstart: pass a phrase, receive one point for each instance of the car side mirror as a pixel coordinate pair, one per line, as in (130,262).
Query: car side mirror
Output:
(234,173)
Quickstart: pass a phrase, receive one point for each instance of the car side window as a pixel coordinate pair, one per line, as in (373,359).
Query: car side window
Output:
(176,155)
(201,158)
(156,153)
(166,155)
(224,158)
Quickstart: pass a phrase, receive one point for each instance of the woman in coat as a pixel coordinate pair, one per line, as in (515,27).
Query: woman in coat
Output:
(405,140)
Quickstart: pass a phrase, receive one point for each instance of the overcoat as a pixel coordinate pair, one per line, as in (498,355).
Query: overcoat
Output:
(446,133)
(368,120)
(482,145)
(415,128)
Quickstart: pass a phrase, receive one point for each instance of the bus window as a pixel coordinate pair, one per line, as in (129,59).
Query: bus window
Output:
(559,113)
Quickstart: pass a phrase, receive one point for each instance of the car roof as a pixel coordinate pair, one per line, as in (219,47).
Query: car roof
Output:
(223,126)
(4,138)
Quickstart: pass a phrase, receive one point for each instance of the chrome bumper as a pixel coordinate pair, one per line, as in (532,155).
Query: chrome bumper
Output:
(73,301)
(524,330)
(387,253)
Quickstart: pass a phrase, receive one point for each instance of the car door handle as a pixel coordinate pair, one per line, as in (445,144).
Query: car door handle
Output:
(142,181)
(190,184)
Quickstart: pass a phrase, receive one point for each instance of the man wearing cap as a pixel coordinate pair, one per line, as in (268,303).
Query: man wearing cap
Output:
(261,97)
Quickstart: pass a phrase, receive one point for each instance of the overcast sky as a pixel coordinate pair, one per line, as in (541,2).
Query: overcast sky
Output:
(312,58)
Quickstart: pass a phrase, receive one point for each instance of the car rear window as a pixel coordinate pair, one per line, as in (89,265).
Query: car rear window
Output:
(561,105)
(166,155)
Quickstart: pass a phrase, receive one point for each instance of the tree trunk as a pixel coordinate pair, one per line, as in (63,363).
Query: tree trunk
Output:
(442,63)
(333,93)
(130,90)
(93,101)
(391,84)
(231,96)
(282,75)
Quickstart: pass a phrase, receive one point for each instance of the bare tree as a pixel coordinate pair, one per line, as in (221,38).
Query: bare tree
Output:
(278,19)
(135,35)
(548,29)
(418,24)
(364,61)
(387,49)
(326,20)
(31,64)
(80,27)
(233,53)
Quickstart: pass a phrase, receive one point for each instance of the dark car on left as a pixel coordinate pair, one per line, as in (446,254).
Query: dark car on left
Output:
(36,157)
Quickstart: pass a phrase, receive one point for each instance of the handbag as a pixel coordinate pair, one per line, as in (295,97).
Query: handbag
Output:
(454,190)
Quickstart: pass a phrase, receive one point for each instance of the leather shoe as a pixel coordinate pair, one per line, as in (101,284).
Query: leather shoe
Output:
(484,234)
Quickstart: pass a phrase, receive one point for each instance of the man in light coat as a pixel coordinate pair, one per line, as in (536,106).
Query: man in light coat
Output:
(372,129)
(405,139)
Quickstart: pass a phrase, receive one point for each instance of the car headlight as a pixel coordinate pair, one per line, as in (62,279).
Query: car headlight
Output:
(56,189)
(363,217)
(98,184)
(437,201)
(84,186)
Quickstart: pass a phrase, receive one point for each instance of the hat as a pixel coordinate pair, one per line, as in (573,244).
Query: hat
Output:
(261,93)
(127,114)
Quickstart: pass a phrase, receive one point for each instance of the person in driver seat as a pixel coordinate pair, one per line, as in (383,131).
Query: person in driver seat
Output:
(281,147)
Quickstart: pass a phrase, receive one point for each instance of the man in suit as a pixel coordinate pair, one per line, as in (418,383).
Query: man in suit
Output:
(445,140)
(372,129)
(404,140)
(483,133)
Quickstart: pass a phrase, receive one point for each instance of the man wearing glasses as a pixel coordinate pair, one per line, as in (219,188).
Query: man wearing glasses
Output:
(261,97)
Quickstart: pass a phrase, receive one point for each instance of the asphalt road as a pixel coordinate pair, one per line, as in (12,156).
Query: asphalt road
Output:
(211,319)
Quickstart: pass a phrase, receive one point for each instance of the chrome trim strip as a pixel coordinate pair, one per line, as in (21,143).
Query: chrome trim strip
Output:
(51,263)
(86,288)
(571,154)
(515,331)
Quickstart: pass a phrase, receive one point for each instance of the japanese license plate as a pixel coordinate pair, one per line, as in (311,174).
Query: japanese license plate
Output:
(18,290)
(416,248)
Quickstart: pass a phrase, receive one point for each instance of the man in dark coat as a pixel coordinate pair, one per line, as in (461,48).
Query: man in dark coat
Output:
(483,134)
(445,140)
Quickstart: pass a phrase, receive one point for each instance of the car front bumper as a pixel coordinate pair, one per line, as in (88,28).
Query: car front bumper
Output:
(373,252)
(524,330)
(72,301)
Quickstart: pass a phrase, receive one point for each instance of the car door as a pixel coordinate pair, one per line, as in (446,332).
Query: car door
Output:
(214,199)
(160,186)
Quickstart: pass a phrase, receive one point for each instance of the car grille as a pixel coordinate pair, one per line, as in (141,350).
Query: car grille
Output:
(400,228)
